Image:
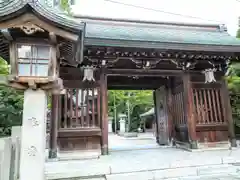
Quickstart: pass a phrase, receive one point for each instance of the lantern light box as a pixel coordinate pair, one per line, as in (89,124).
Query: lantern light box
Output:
(33,60)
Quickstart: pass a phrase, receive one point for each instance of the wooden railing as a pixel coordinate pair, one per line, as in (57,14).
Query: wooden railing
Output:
(208,106)
(178,109)
(80,108)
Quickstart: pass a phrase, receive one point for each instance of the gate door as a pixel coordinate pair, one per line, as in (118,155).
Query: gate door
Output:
(161,116)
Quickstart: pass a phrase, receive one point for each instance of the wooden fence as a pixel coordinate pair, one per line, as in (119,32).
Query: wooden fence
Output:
(80,108)
(208,106)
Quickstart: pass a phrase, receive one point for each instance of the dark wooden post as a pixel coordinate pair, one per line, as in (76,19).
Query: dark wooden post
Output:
(189,110)
(104,112)
(53,127)
(156,116)
(228,113)
(169,110)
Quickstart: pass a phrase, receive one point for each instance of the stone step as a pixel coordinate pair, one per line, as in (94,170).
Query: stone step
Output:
(176,173)
(99,178)
(142,176)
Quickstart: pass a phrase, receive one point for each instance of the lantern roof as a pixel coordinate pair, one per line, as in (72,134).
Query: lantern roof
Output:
(10,9)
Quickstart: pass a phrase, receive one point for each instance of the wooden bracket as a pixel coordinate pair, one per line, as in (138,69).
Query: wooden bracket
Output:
(53,38)
(7,34)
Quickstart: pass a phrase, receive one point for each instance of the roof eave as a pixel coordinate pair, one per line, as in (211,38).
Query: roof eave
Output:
(94,18)
(15,8)
(162,45)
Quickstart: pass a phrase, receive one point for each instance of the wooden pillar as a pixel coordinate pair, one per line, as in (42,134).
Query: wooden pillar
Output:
(189,110)
(104,112)
(169,110)
(156,116)
(54,127)
(228,113)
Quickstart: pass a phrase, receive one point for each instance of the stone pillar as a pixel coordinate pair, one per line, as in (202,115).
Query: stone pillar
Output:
(5,158)
(16,141)
(33,142)
(110,126)
(122,125)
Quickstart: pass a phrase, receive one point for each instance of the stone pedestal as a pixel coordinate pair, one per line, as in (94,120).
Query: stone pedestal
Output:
(33,135)
(110,126)
(5,158)
(122,126)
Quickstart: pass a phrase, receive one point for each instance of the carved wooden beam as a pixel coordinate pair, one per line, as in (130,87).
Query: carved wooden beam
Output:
(29,28)
(26,21)
(53,38)
(149,72)
(106,53)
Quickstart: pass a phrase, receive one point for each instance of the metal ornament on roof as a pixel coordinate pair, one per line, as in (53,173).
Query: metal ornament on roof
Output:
(209,75)
(88,73)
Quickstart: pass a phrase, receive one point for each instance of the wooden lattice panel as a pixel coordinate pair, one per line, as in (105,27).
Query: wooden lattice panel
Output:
(81,108)
(208,106)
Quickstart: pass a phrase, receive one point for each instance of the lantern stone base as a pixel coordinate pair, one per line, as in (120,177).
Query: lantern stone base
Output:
(33,134)
(52,154)
(194,145)
(233,142)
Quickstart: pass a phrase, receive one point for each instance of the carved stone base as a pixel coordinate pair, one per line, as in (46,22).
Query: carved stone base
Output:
(52,154)
(194,145)
(104,150)
(233,142)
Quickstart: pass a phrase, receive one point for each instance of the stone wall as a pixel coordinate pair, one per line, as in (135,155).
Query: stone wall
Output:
(10,155)
(5,157)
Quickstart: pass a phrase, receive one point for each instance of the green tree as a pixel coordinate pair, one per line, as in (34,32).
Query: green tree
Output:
(11,104)
(139,102)
(65,6)
(233,80)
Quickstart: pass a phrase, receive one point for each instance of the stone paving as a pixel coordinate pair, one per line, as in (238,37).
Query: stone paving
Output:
(152,164)
(143,141)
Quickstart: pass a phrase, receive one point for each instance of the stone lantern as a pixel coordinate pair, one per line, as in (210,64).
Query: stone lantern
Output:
(33,65)
(34,39)
(122,121)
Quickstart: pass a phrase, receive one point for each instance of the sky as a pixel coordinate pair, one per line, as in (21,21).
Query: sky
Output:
(209,11)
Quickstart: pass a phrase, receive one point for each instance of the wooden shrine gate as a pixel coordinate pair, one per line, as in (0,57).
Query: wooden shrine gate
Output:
(209,120)
(135,53)
(210,112)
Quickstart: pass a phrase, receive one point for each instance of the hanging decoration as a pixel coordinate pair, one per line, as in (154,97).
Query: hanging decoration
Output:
(209,75)
(88,73)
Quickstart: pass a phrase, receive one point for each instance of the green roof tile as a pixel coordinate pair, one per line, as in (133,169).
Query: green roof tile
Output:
(161,33)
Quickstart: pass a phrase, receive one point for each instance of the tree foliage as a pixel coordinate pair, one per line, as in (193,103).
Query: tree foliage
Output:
(233,80)
(139,101)
(11,104)
(65,6)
